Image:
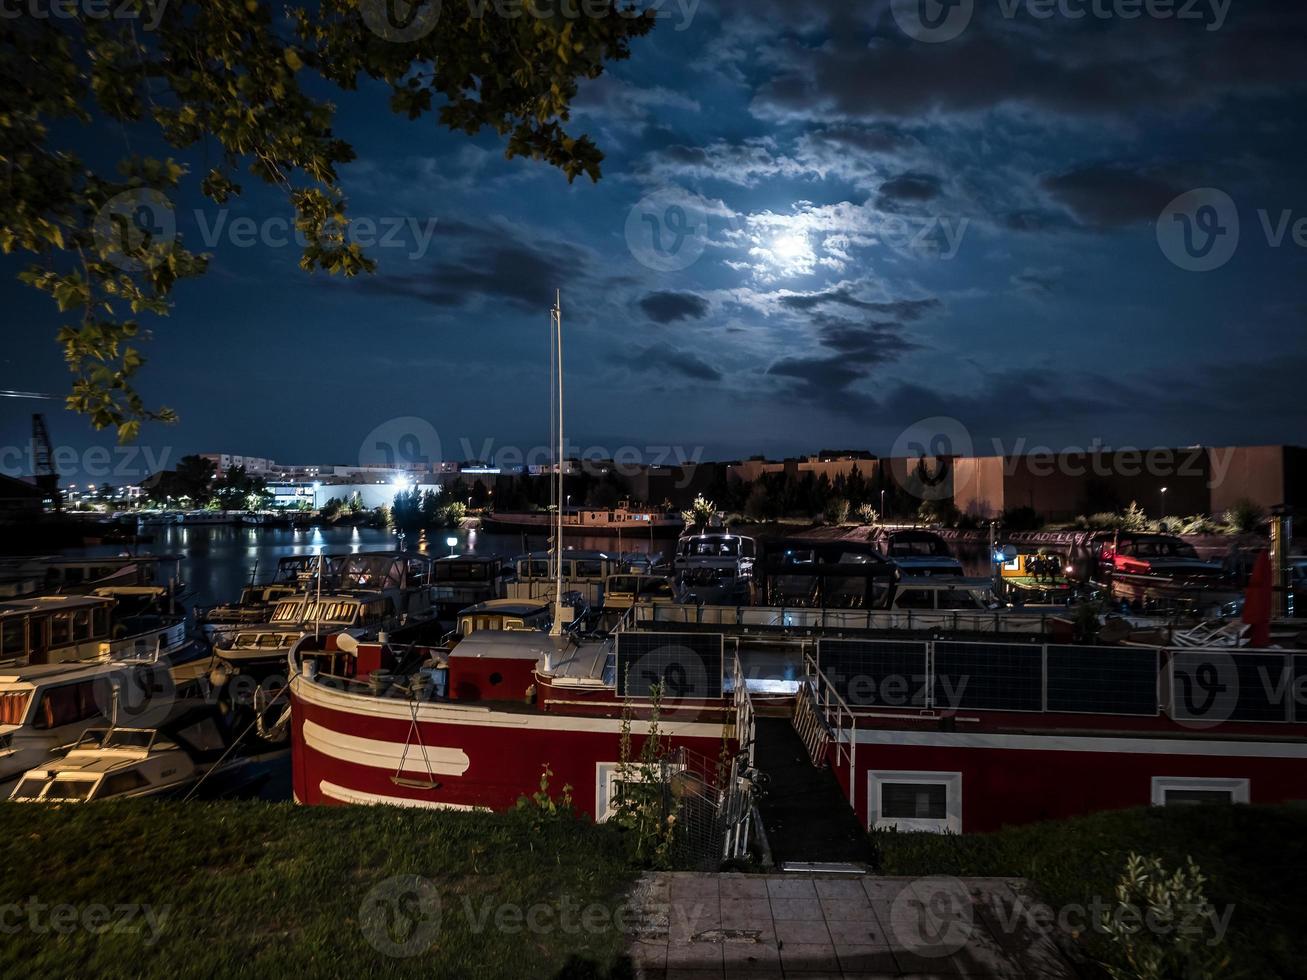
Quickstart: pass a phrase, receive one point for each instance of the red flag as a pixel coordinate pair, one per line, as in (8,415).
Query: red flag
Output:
(1257,601)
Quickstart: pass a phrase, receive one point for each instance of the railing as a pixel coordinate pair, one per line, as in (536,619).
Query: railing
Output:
(835,712)
(745,719)
(804,617)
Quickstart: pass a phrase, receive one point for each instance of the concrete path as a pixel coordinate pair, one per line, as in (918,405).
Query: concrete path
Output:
(714,926)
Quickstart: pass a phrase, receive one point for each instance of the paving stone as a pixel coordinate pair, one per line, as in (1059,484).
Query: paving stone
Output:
(797,908)
(694,956)
(866,959)
(809,958)
(791,887)
(866,932)
(801,931)
(743,886)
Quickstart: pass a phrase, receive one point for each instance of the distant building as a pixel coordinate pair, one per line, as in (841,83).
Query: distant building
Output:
(21,501)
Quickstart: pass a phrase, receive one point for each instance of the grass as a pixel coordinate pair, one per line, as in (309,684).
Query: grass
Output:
(1255,859)
(256,889)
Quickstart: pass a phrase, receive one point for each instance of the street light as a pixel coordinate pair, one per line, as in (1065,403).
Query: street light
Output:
(882,506)
(1163,495)
(453,543)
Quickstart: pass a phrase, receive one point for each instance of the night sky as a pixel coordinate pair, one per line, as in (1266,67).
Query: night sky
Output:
(877,230)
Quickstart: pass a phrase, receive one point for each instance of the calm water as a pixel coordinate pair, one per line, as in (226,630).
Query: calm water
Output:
(218,561)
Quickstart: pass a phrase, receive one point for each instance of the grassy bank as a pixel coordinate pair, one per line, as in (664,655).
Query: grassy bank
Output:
(252,889)
(1255,859)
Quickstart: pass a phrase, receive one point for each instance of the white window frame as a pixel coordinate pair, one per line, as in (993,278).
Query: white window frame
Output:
(1236,787)
(950,824)
(606,785)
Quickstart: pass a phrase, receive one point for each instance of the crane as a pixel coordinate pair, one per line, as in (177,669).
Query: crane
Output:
(45,476)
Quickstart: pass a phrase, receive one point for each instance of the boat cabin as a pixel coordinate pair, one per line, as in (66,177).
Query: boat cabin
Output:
(915,551)
(49,629)
(335,611)
(624,591)
(583,572)
(504,614)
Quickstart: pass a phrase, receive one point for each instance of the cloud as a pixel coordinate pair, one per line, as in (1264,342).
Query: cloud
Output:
(908,188)
(666,357)
(1040,282)
(1104,196)
(668,307)
(842,295)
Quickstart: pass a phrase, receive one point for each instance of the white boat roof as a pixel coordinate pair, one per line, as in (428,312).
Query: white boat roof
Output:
(51,603)
(71,670)
(507,607)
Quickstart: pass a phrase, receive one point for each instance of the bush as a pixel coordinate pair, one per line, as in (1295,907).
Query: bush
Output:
(837,511)
(867,514)
(938,512)
(1245,517)
(452,514)
(1171,525)
(1200,524)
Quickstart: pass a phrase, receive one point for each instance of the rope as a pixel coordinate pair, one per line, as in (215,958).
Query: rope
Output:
(235,742)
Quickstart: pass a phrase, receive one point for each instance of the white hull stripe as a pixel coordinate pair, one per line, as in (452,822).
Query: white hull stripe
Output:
(345,795)
(1084,743)
(386,755)
(443,713)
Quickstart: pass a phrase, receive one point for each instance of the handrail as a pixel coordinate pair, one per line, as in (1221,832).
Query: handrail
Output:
(745,716)
(835,710)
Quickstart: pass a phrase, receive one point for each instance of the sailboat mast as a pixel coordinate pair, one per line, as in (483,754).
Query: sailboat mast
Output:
(558,539)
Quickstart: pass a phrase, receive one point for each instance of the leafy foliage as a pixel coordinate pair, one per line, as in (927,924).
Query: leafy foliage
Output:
(236,83)
(700,513)
(1245,517)
(1174,939)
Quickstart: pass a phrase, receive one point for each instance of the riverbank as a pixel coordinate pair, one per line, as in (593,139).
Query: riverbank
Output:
(148,889)
(1253,858)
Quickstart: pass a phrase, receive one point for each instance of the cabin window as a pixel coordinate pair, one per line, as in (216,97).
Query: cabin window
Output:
(13,635)
(589,569)
(915,801)
(915,599)
(70,789)
(537,569)
(100,621)
(61,629)
(1190,790)
(29,789)
(122,782)
(82,625)
(66,705)
(13,707)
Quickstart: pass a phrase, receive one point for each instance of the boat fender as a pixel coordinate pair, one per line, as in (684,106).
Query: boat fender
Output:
(530,697)
(218,676)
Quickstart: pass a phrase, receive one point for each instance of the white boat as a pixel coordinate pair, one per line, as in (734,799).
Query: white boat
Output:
(53,629)
(45,706)
(110,763)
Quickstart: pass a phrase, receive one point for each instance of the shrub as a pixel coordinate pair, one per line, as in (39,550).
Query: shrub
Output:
(1162,923)
(867,514)
(837,511)
(1245,517)
(1200,524)
(1134,518)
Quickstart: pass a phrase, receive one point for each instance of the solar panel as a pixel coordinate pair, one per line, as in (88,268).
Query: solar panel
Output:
(1212,686)
(687,665)
(1102,680)
(989,676)
(875,673)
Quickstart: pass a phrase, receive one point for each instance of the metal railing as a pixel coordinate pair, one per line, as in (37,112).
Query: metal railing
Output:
(834,711)
(745,719)
(804,617)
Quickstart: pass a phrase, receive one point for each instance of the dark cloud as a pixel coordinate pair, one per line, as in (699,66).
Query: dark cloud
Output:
(906,310)
(1104,196)
(1079,67)
(667,307)
(666,357)
(908,188)
(487,262)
